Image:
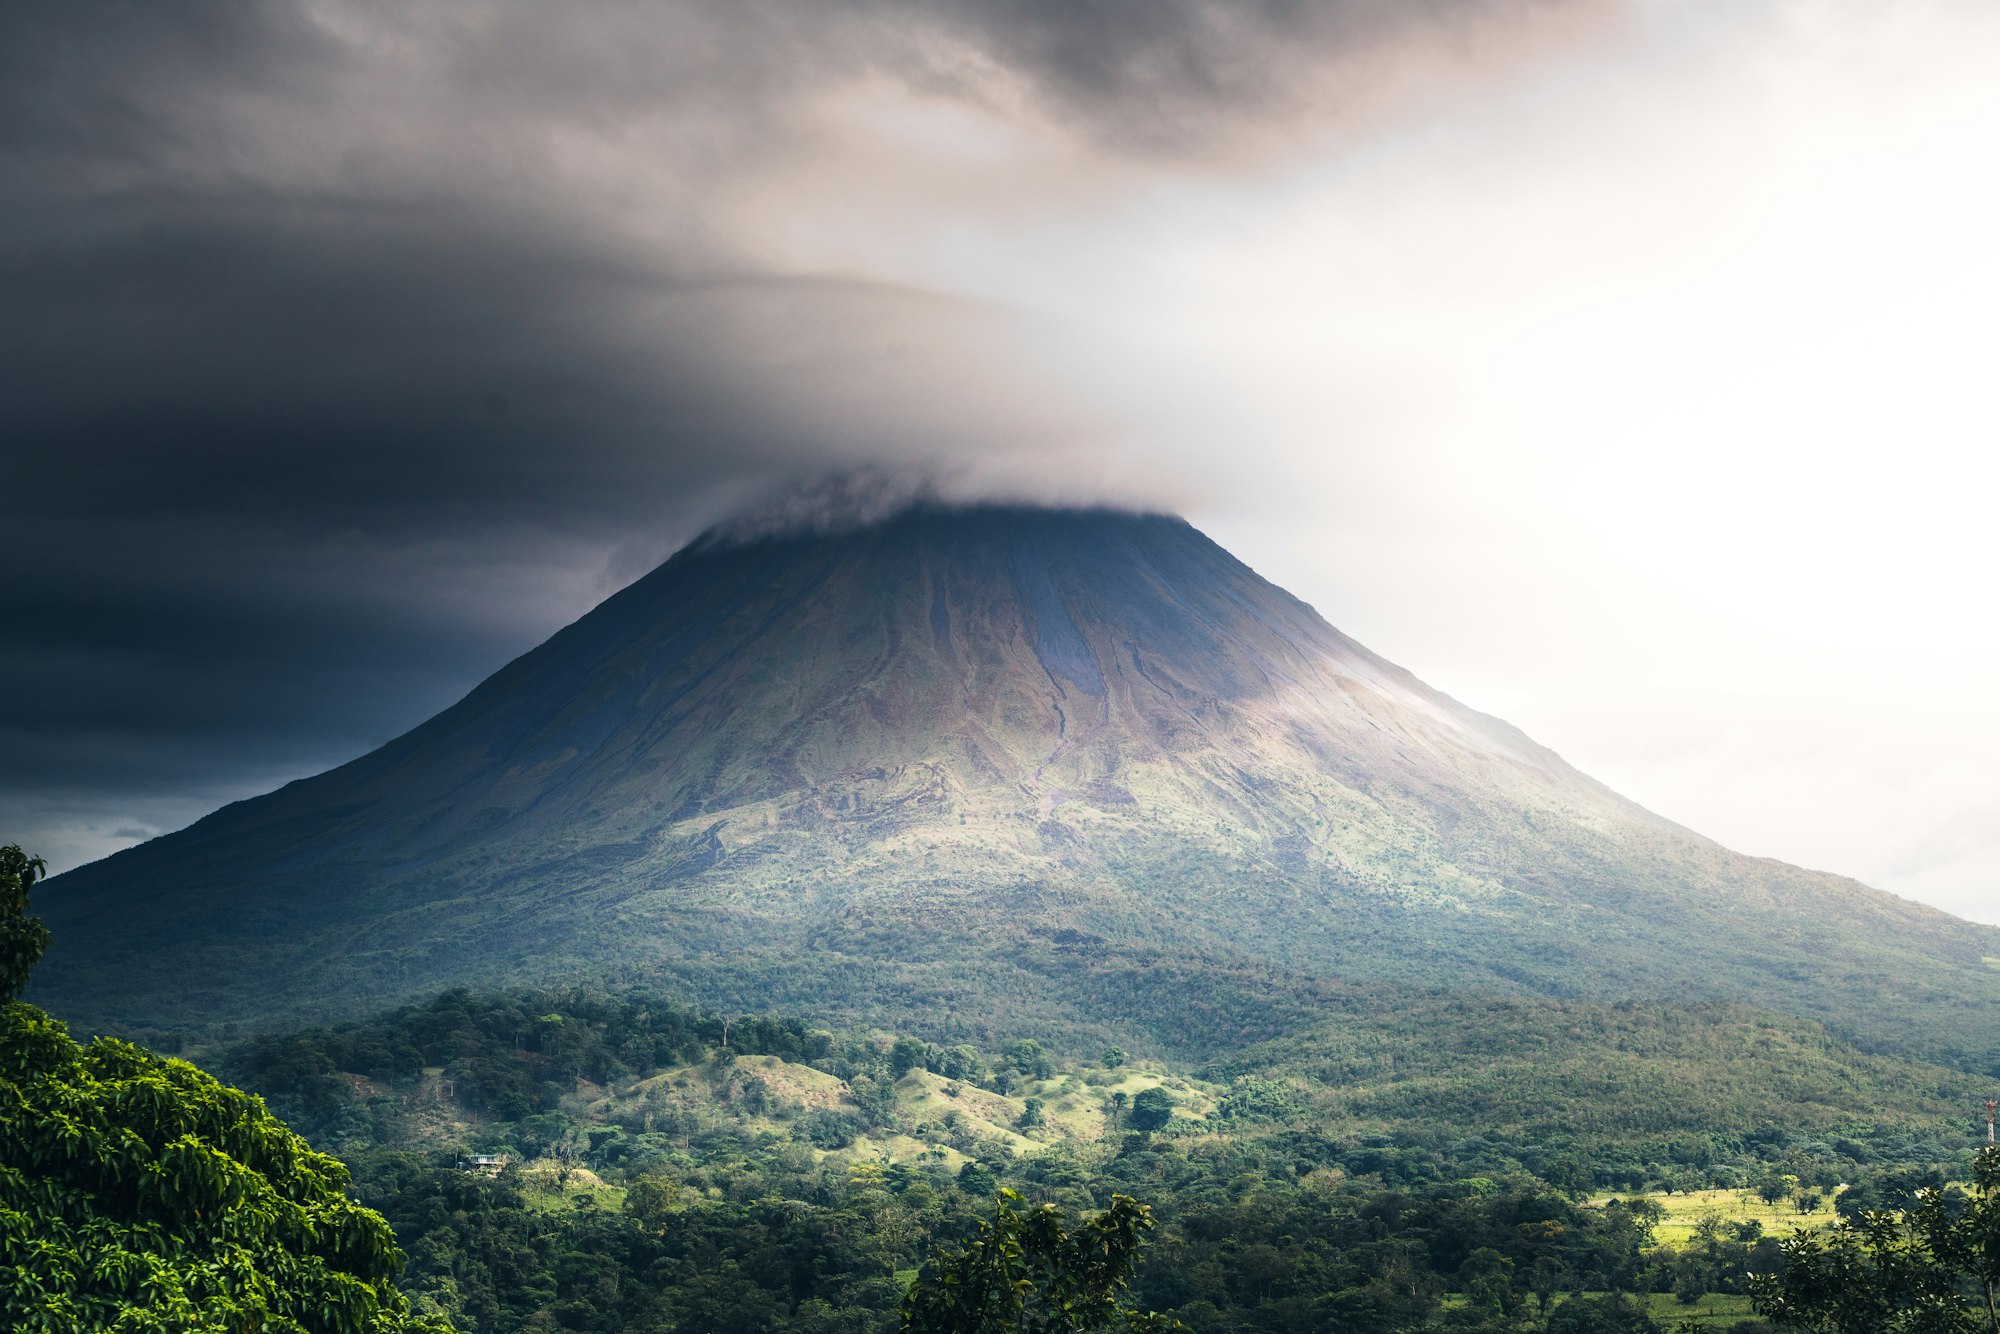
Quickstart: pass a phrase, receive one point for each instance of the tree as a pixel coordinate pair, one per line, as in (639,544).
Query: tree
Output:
(976,1180)
(138,1193)
(1932,1268)
(1151,1109)
(908,1054)
(1544,1278)
(1486,1279)
(1113,1057)
(1570,1175)
(1036,1273)
(1026,1055)
(22,938)
(652,1201)
(1642,1211)
(1610,1313)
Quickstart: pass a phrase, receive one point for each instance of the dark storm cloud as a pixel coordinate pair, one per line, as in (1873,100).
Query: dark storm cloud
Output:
(1192,76)
(346,349)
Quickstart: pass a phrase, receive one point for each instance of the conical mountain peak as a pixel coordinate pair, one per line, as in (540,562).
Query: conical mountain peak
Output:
(919,758)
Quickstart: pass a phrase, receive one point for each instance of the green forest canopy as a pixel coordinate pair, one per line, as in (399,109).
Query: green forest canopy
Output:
(138,1193)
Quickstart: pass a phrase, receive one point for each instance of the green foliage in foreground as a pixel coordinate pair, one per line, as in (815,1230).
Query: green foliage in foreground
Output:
(1036,1273)
(139,1194)
(22,938)
(1933,1268)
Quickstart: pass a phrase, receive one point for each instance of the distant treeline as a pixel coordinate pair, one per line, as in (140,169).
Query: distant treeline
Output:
(1594,1095)
(509,1054)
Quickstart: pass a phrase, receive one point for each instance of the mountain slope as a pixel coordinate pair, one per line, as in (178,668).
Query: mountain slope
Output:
(971,762)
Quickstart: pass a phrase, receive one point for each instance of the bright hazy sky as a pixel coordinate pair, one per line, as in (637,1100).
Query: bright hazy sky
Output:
(1621,368)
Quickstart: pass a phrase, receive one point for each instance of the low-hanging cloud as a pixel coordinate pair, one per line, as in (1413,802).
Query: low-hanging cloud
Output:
(347,348)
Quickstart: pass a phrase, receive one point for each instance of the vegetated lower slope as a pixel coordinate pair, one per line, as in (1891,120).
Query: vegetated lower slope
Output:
(1629,1084)
(1635,1096)
(794,1179)
(1081,769)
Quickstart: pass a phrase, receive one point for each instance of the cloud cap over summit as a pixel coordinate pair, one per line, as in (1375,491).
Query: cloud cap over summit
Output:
(351,348)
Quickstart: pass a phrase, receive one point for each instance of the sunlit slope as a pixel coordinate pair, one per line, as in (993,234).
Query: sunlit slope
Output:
(971,761)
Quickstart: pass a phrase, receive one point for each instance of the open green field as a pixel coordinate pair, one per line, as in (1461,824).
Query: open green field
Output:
(1717,1311)
(945,1119)
(1688,1210)
(545,1190)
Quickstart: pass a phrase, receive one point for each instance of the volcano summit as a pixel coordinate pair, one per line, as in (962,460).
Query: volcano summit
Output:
(972,767)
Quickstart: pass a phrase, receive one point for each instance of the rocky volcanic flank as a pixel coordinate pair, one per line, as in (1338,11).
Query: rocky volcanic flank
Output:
(967,761)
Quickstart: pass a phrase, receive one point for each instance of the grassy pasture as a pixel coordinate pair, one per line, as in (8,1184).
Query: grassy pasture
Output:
(1076,1107)
(1717,1311)
(1687,1210)
(544,1192)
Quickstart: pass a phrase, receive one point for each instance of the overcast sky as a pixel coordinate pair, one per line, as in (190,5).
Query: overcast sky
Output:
(1623,368)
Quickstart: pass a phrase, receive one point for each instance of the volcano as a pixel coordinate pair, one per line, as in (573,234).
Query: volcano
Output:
(972,768)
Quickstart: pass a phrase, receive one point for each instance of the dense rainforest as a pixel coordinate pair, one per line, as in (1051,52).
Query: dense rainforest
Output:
(139,1194)
(576,1159)
(579,1159)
